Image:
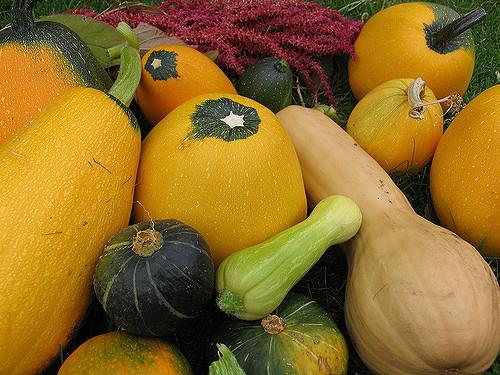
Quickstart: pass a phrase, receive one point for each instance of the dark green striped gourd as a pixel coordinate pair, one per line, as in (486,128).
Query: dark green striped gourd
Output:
(269,82)
(155,278)
(298,338)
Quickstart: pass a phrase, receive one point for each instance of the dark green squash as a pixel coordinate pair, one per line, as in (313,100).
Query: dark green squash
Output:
(298,338)
(155,278)
(268,81)
(38,62)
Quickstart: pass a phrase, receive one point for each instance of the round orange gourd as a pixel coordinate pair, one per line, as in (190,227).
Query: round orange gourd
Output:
(223,165)
(465,173)
(394,126)
(415,40)
(173,74)
(118,353)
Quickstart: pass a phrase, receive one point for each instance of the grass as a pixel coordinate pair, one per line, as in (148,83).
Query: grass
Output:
(326,281)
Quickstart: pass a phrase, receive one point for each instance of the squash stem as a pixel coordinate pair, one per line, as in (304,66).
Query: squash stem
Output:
(415,93)
(273,324)
(230,302)
(129,75)
(281,66)
(22,14)
(131,40)
(147,242)
(457,27)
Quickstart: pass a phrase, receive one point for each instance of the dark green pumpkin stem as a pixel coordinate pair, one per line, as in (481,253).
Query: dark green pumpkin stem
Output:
(457,27)
(22,14)
(281,66)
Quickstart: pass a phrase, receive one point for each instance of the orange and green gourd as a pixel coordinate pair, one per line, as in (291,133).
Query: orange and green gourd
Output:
(224,165)
(119,353)
(172,74)
(413,40)
(38,62)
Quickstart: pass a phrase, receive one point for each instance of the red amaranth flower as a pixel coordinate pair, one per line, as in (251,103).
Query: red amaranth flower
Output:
(243,31)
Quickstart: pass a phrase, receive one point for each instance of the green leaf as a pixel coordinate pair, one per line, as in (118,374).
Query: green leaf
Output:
(226,364)
(97,35)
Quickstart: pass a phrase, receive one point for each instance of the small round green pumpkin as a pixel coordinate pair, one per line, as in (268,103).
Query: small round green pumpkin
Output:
(155,278)
(298,338)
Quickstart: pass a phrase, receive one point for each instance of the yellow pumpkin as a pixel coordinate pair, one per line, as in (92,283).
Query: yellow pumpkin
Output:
(66,186)
(224,165)
(118,353)
(397,125)
(415,40)
(465,173)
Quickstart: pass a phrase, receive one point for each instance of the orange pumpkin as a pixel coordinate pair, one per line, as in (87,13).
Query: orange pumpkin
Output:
(465,173)
(118,353)
(415,40)
(173,74)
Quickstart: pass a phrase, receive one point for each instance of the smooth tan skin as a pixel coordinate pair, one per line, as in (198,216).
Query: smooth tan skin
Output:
(420,300)
(66,186)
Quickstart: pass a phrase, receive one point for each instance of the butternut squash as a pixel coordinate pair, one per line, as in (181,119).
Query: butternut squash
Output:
(419,299)
(66,186)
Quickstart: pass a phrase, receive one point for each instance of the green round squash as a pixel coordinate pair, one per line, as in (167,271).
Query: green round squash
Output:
(269,81)
(118,353)
(298,338)
(155,278)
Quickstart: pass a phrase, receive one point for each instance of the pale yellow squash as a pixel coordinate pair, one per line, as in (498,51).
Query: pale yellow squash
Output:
(420,300)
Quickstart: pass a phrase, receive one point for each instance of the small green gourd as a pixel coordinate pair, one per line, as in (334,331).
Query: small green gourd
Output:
(269,81)
(252,282)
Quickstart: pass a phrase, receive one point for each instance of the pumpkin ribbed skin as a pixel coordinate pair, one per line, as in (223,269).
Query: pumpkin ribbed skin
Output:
(419,299)
(236,185)
(465,173)
(382,126)
(38,62)
(393,44)
(173,74)
(66,186)
(305,341)
(118,353)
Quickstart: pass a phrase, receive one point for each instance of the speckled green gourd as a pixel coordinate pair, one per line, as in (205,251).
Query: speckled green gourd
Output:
(269,82)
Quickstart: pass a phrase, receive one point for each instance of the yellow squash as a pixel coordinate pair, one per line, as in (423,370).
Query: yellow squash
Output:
(224,165)
(465,173)
(399,124)
(66,186)
(419,300)
(413,40)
